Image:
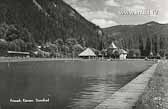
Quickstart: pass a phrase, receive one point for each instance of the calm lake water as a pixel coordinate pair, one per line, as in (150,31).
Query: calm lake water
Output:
(67,84)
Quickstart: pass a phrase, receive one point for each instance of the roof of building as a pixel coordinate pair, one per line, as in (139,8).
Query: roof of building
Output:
(87,52)
(18,52)
(122,51)
(113,46)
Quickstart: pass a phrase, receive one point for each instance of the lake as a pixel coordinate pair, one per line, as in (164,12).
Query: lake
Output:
(64,84)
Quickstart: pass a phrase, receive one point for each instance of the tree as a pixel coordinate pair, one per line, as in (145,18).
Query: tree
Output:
(110,52)
(25,35)
(134,52)
(148,48)
(31,46)
(116,54)
(17,45)
(12,33)
(3,47)
(12,46)
(141,46)
(77,49)
(66,50)
(71,42)
(59,43)
(52,48)
(162,52)
(166,53)
(18,38)
(3,30)
(82,41)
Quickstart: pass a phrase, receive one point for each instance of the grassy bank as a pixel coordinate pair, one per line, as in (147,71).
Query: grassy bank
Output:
(155,95)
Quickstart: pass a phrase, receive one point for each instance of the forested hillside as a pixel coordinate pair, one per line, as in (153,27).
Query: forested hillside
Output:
(48,20)
(143,38)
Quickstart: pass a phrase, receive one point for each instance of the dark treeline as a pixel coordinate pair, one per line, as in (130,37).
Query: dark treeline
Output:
(142,39)
(15,38)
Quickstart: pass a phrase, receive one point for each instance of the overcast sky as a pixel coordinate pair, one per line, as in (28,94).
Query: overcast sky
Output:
(106,13)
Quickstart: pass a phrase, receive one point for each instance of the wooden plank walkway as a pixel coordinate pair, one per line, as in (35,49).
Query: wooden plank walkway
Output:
(126,97)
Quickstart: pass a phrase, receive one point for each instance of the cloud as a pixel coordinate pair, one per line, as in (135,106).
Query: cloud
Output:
(78,3)
(132,2)
(98,15)
(104,23)
(96,10)
(82,10)
(71,1)
(100,18)
(163,21)
(138,1)
(112,3)
(137,7)
(162,6)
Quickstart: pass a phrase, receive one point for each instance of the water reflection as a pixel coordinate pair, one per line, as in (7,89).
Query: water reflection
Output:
(98,90)
(69,85)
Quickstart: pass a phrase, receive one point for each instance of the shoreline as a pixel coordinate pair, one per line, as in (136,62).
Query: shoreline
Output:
(155,95)
(19,59)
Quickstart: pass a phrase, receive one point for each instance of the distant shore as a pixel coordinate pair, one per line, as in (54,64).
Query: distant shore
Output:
(17,59)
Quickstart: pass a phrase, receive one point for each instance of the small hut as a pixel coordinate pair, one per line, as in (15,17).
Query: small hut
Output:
(123,54)
(88,53)
(112,46)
